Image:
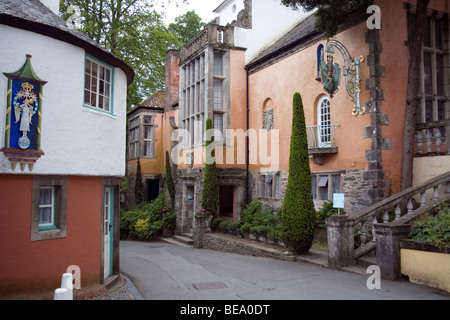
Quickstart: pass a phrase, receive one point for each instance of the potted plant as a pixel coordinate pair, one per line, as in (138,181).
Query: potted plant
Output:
(203,219)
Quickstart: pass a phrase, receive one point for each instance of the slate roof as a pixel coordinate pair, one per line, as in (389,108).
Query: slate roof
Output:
(154,101)
(32,15)
(298,35)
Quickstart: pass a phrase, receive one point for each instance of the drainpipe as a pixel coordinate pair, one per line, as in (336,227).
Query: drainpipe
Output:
(247,160)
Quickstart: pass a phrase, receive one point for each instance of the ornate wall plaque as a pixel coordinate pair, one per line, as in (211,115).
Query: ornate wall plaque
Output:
(23,117)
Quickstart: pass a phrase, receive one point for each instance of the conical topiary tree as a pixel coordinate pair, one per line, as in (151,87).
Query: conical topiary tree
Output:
(210,191)
(139,185)
(169,181)
(297,213)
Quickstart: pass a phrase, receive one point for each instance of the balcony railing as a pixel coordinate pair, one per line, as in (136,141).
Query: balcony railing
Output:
(211,34)
(322,136)
(321,141)
(431,138)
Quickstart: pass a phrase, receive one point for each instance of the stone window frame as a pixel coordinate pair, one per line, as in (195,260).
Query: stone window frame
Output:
(269,185)
(432,102)
(59,183)
(316,188)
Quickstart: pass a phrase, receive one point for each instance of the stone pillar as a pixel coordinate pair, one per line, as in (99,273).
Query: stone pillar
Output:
(340,234)
(388,248)
(202,226)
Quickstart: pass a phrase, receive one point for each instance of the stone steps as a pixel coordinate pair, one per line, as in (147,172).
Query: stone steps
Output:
(183,240)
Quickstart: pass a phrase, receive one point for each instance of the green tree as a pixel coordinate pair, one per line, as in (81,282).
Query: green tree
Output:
(186,27)
(139,185)
(210,191)
(134,32)
(169,180)
(297,213)
(331,14)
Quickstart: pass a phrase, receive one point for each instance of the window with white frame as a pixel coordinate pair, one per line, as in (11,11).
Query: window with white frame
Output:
(324,122)
(98,85)
(193,97)
(47,208)
(149,137)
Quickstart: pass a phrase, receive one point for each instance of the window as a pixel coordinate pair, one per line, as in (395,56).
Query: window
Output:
(324,122)
(193,99)
(47,208)
(433,104)
(270,185)
(218,64)
(324,185)
(133,138)
(149,137)
(218,121)
(98,85)
(218,94)
(204,93)
(320,58)
(268,119)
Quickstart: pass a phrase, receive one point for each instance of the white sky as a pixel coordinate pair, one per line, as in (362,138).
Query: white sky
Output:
(204,8)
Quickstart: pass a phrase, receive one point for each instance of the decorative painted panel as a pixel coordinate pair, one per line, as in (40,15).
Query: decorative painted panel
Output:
(23,117)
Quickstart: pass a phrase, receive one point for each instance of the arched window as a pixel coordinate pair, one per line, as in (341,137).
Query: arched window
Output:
(320,58)
(323,122)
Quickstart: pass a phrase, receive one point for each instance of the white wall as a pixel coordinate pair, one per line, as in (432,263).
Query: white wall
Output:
(75,140)
(270,21)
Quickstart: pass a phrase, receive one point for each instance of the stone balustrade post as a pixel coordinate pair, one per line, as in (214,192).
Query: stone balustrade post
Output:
(202,225)
(340,233)
(388,248)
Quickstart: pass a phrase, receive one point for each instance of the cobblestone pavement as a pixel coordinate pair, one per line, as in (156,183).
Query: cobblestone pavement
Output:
(124,290)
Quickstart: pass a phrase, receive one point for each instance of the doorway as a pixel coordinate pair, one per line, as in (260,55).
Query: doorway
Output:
(152,188)
(108,218)
(226,201)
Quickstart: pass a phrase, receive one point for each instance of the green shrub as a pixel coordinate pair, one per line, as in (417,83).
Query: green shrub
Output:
(145,221)
(298,214)
(434,229)
(215,223)
(245,229)
(226,226)
(169,181)
(265,218)
(324,213)
(260,231)
(169,220)
(139,188)
(250,211)
(275,235)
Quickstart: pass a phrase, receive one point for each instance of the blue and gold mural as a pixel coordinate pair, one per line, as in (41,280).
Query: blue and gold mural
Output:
(23,116)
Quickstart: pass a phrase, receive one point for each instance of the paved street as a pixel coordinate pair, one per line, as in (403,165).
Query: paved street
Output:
(164,271)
